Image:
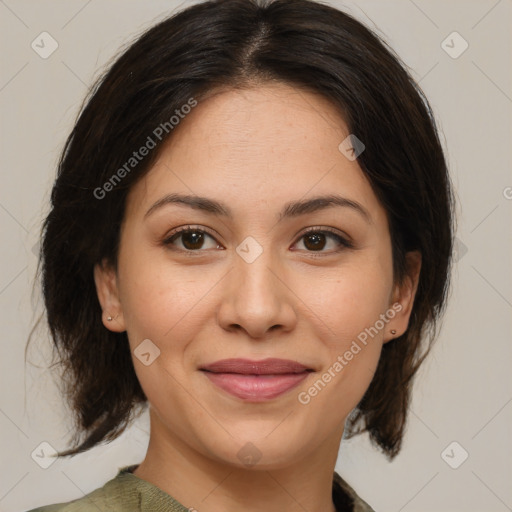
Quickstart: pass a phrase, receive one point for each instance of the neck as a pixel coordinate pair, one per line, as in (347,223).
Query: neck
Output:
(208,484)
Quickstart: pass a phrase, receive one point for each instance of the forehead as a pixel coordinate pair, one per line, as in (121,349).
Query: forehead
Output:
(256,148)
(268,123)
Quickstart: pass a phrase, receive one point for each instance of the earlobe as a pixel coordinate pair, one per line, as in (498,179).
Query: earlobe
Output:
(105,279)
(403,297)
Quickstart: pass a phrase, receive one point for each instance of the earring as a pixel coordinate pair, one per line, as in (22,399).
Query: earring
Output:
(393,332)
(109,318)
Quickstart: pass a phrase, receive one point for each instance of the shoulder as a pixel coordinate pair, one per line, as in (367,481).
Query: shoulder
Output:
(346,498)
(115,496)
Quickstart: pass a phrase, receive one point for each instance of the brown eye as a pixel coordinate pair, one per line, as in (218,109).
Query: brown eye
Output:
(315,240)
(192,239)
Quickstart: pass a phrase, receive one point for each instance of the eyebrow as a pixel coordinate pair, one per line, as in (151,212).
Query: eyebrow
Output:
(290,210)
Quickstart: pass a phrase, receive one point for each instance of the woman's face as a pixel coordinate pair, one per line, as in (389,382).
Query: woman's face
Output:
(248,282)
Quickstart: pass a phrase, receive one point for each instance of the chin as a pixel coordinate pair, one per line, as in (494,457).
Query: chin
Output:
(258,448)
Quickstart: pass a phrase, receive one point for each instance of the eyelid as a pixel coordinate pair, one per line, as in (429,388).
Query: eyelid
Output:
(323,229)
(344,241)
(190,227)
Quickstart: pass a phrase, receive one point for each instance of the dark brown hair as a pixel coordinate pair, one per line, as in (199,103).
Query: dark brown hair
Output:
(236,44)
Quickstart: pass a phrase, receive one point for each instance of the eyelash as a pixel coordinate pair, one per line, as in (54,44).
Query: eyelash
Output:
(343,242)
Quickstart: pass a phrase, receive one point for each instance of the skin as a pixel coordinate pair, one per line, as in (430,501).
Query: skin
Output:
(254,149)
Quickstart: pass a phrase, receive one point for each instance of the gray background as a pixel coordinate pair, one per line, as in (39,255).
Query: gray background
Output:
(463,392)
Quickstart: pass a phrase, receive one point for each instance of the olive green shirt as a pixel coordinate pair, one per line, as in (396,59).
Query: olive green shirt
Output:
(129,493)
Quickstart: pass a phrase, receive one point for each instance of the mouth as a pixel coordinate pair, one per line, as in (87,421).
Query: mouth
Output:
(256,381)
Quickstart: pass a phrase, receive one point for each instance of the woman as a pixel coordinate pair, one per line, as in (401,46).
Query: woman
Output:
(251,232)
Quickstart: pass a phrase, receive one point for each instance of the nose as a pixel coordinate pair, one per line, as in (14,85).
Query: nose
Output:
(257,298)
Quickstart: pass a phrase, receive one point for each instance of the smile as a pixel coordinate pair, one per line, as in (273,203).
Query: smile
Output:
(256,381)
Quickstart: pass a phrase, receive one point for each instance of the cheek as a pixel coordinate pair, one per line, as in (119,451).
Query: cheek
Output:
(336,392)
(352,351)
(347,300)
(158,298)
(161,304)
(350,314)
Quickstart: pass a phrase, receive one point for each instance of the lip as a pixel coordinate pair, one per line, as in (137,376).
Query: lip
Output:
(256,381)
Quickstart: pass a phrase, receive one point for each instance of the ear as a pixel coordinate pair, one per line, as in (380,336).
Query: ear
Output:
(105,278)
(403,295)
